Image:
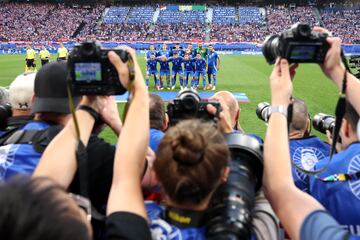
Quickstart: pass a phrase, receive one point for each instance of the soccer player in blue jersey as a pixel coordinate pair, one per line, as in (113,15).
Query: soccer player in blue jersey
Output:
(189,50)
(213,66)
(200,70)
(151,51)
(151,69)
(178,50)
(189,68)
(177,69)
(164,51)
(164,71)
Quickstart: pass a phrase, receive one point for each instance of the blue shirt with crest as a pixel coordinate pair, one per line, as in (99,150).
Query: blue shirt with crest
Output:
(212,59)
(340,198)
(305,153)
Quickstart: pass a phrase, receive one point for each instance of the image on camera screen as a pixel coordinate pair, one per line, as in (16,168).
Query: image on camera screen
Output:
(88,72)
(302,52)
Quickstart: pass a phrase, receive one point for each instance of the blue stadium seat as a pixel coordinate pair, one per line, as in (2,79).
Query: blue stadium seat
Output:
(224,15)
(116,15)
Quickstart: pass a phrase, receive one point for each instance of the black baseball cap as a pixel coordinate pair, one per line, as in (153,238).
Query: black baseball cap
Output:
(50,89)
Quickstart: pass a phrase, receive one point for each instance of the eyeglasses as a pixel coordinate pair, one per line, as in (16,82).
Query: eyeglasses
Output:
(85,204)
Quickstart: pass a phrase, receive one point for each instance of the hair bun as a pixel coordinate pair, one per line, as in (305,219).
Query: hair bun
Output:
(189,147)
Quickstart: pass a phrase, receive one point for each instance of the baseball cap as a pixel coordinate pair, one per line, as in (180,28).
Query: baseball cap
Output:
(50,89)
(21,91)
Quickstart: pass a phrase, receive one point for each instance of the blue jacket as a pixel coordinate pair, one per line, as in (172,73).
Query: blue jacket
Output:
(305,153)
(155,138)
(20,158)
(340,198)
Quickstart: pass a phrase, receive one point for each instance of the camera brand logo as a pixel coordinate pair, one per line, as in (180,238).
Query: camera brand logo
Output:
(306,158)
(354,167)
(7,158)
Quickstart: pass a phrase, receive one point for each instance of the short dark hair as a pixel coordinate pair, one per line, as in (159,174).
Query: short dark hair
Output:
(32,209)
(351,115)
(157,112)
(300,115)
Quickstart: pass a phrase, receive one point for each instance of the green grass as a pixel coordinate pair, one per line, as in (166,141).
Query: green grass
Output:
(247,74)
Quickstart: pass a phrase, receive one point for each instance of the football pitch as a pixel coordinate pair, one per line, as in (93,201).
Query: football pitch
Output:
(246,74)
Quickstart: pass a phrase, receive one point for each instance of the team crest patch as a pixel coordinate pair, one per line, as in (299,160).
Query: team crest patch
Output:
(306,158)
(354,166)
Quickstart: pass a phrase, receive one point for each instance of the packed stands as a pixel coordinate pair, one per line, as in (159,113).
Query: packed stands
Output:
(304,14)
(250,15)
(224,15)
(278,19)
(141,14)
(121,32)
(344,23)
(177,32)
(116,15)
(53,22)
(176,16)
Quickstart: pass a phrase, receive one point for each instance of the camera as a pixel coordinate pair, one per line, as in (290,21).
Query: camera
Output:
(5,113)
(91,72)
(298,45)
(229,215)
(323,122)
(263,110)
(188,104)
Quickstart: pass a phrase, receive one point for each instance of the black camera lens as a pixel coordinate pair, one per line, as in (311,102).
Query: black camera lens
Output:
(323,122)
(303,30)
(88,49)
(230,212)
(5,113)
(190,104)
(270,48)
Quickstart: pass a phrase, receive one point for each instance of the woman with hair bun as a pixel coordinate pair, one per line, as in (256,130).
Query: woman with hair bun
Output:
(192,161)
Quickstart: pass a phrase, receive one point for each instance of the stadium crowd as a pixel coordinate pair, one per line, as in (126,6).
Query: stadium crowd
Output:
(60,180)
(47,22)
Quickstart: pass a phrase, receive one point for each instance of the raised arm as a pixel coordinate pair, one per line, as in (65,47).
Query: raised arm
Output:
(125,193)
(335,69)
(291,205)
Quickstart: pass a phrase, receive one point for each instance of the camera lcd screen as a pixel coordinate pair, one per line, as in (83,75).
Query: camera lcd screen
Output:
(88,72)
(302,52)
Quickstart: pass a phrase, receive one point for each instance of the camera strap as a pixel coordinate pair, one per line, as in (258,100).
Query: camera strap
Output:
(339,115)
(184,218)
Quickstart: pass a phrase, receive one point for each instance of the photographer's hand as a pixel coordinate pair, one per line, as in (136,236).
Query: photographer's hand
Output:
(333,66)
(280,83)
(110,115)
(224,122)
(334,69)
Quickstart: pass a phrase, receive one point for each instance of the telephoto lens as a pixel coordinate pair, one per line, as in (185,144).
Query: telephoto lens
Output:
(5,113)
(323,122)
(230,212)
(263,110)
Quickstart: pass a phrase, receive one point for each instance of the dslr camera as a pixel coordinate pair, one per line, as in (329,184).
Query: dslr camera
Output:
(229,215)
(298,45)
(323,122)
(188,105)
(263,111)
(91,72)
(5,113)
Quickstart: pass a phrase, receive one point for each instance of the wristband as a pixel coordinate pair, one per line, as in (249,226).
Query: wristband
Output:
(92,112)
(278,109)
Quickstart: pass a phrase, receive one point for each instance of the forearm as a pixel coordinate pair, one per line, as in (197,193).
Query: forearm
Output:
(59,161)
(130,157)
(134,135)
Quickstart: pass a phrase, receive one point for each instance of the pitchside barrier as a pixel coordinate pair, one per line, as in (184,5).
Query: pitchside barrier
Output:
(238,48)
